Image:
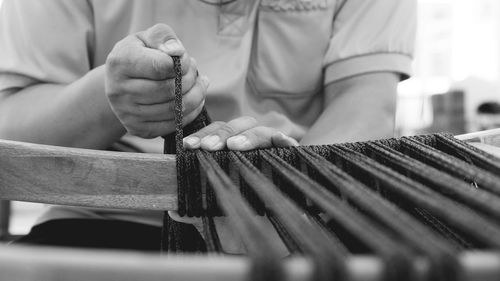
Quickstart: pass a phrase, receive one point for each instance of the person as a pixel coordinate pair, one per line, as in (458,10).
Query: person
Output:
(99,75)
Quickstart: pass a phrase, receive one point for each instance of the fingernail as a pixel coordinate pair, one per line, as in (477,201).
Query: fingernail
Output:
(205,81)
(285,138)
(172,47)
(211,142)
(291,140)
(192,141)
(239,142)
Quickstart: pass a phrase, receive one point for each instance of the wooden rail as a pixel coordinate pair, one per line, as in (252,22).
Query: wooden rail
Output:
(84,177)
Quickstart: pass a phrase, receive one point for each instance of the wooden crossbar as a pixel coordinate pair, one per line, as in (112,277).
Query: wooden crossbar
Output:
(84,177)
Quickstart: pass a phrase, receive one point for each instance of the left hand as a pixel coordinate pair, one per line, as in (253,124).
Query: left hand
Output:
(238,134)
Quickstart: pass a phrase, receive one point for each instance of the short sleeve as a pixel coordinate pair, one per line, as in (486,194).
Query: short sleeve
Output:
(371,36)
(48,41)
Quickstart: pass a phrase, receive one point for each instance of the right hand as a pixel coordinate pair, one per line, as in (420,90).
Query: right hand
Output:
(140,82)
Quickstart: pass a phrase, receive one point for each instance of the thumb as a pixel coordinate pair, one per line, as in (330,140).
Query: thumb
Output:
(162,37)
(172,47)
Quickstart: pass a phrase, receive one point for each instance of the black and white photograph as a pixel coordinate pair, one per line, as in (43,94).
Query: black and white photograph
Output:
(249,140)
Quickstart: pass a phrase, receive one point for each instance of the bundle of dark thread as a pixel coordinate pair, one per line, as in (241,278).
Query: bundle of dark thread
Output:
(426,197)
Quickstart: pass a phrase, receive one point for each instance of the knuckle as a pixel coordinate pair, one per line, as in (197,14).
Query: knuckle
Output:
(249,119)
(118,53)
(259,132)
(252,138)
(218,123)
(113,61)
(226,130)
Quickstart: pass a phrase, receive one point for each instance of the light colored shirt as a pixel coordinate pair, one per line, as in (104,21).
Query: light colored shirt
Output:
(269,59)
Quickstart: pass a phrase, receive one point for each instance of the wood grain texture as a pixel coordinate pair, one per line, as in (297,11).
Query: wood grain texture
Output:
(23,263)
(90,178)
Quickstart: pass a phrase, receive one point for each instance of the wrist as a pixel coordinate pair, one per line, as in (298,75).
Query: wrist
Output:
(104,122)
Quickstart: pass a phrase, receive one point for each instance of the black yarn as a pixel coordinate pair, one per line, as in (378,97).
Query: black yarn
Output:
(328,256)
(210,234)
(406,227)
(451,165)
(258,239)
(481,200)
(178,237)
(420,196)
(447,143)
(396,256)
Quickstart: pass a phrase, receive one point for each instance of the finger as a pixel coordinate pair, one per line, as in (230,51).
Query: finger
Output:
(150,130)
(217,140)
(193,141)
(281,140)
(131,59)
(146,92)
(162,37)
(166,111)
(259,137)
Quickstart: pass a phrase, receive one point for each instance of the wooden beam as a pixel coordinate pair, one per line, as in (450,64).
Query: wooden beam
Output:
(84,177)
(24,263)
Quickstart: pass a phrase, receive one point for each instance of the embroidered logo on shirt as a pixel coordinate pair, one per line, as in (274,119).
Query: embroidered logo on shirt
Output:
(293,5)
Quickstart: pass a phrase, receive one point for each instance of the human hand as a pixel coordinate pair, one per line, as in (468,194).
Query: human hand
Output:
(140,82)
(238,134)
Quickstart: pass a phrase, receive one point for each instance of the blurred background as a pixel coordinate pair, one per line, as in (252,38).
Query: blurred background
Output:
(456,81)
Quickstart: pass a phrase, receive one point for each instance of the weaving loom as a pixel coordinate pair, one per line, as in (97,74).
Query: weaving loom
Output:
(462,190)
(413,208)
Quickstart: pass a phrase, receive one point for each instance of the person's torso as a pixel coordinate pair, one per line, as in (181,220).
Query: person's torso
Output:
(263,58)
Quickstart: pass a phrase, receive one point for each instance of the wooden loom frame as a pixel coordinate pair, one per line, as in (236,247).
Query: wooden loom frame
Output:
(90,178)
